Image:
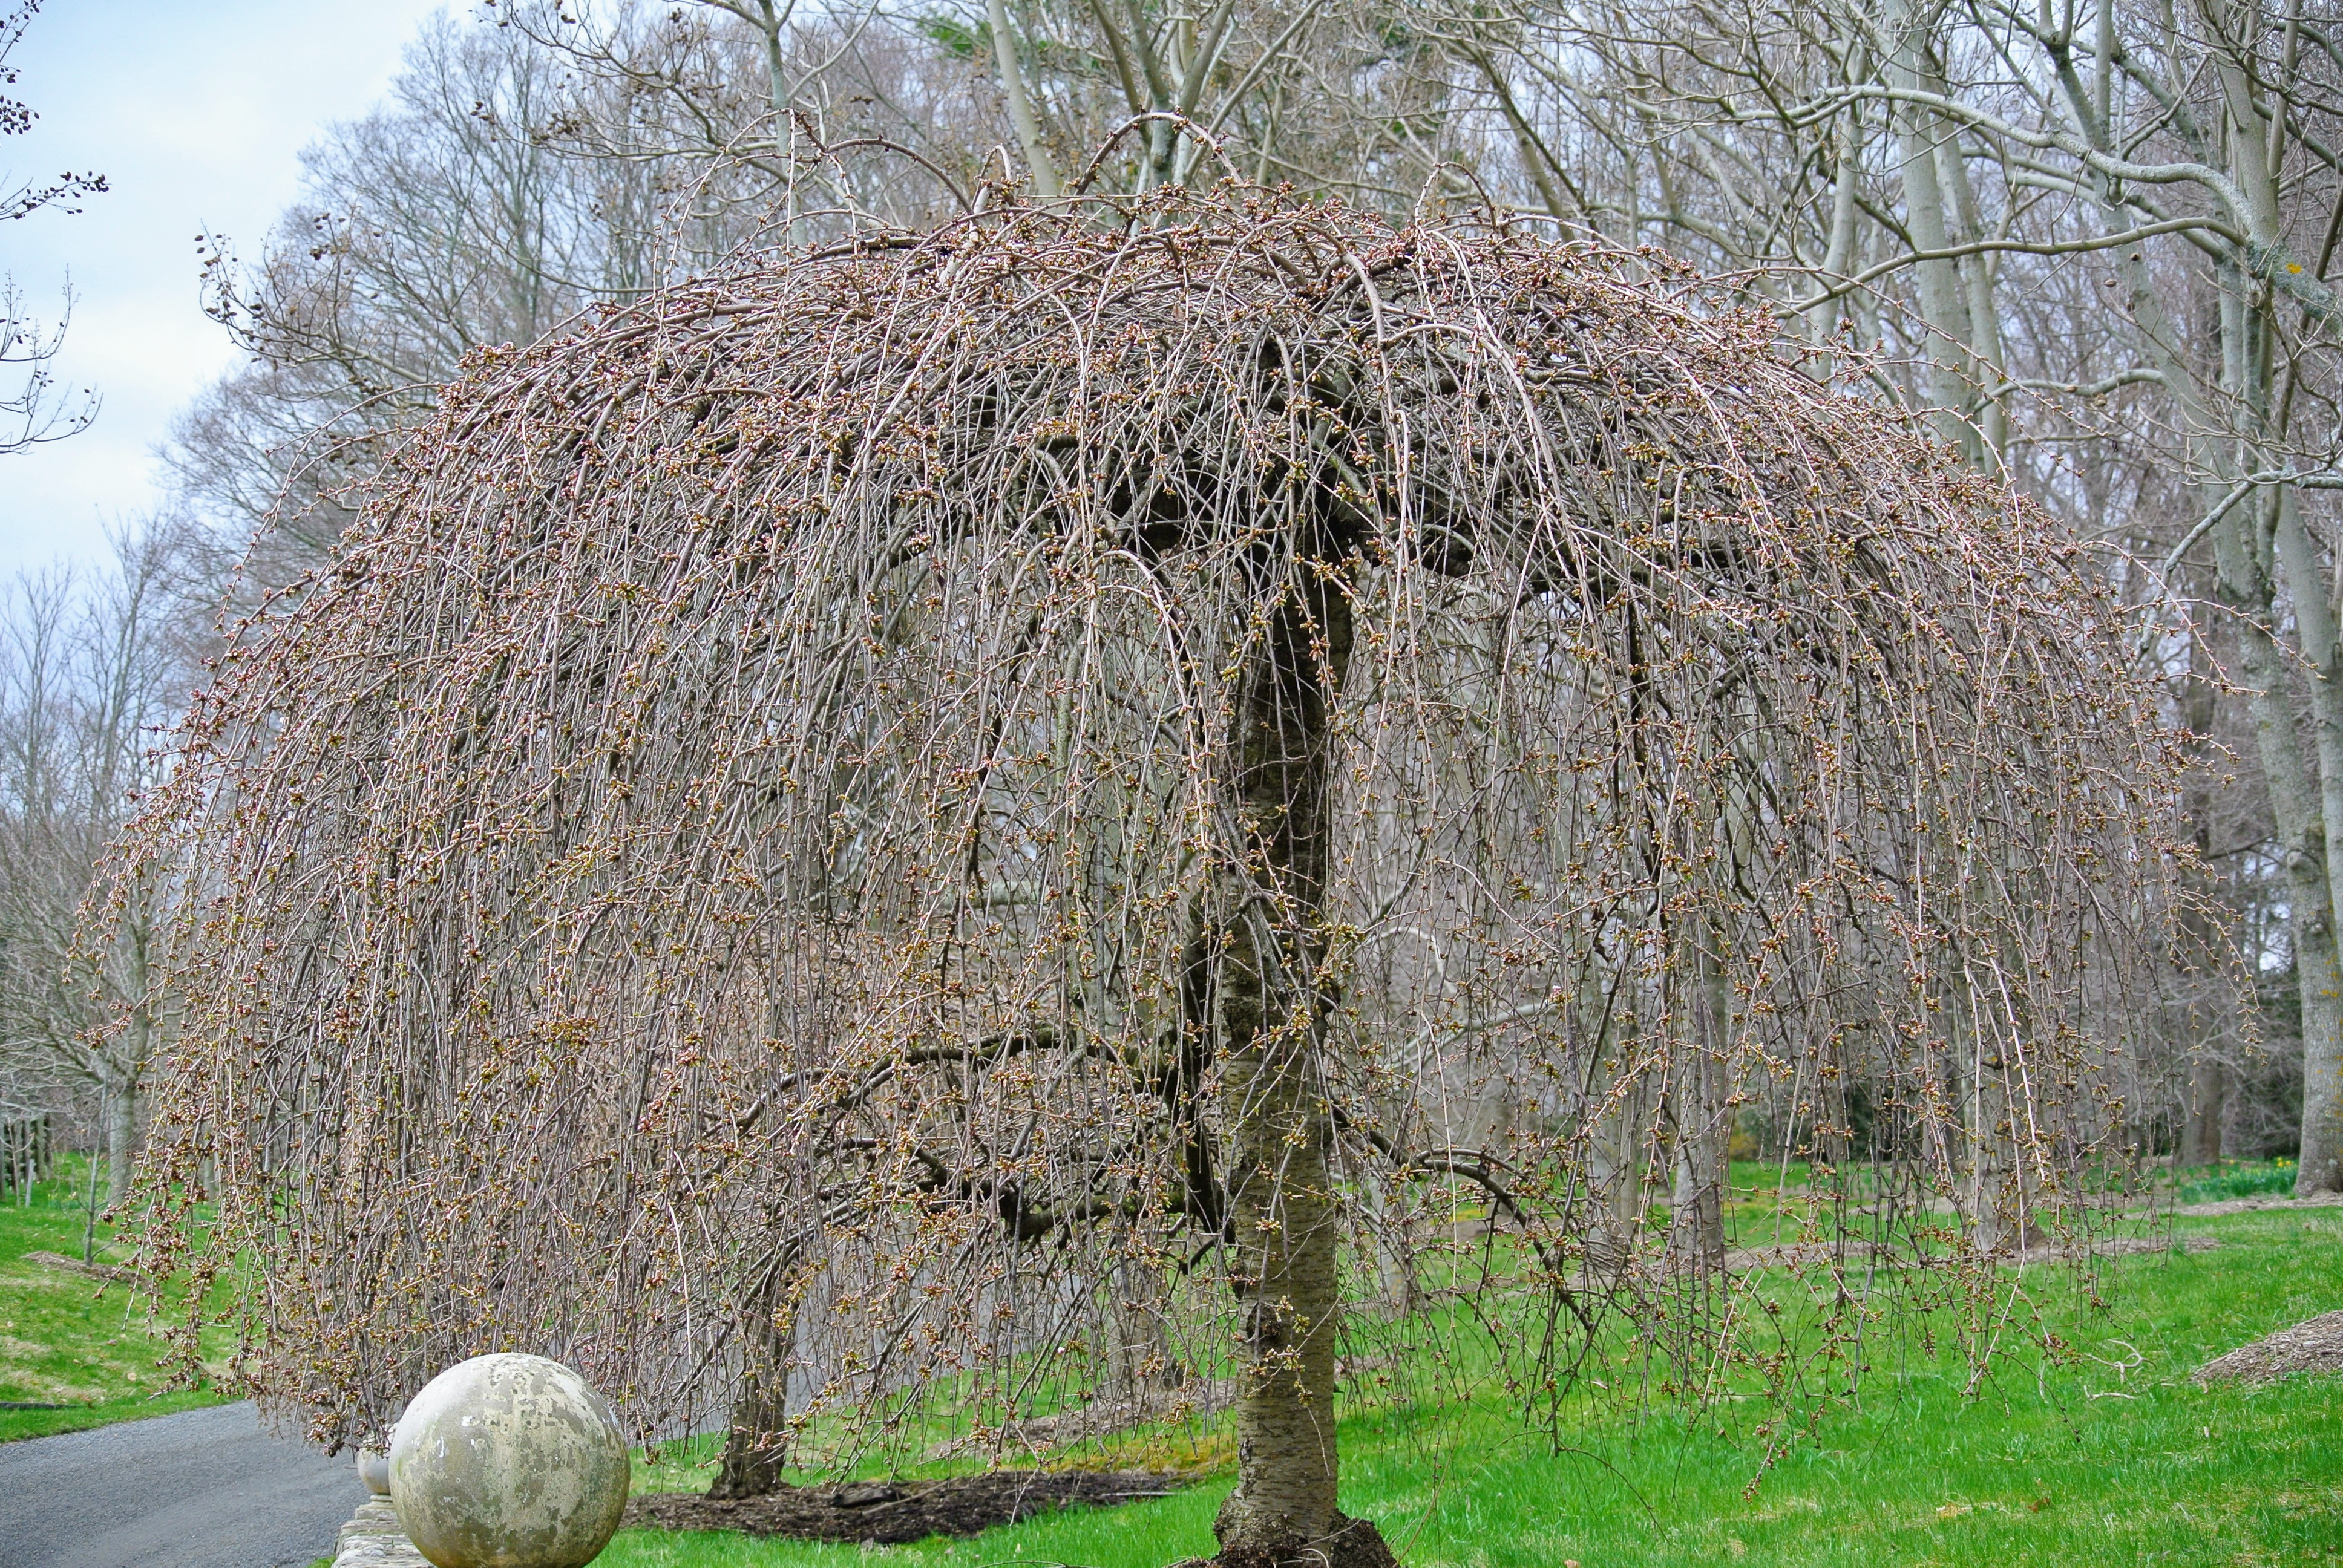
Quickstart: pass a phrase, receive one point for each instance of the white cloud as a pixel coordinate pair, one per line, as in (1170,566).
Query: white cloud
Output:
(196,115)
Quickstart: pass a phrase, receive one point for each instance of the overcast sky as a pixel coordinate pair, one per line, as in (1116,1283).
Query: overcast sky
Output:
(197,112)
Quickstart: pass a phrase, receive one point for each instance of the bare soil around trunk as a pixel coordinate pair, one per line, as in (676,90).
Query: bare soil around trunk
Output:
(893,1512)
(2316,1346)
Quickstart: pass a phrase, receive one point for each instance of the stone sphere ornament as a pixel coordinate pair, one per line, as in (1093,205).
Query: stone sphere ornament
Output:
(508,1462)
(373,1469)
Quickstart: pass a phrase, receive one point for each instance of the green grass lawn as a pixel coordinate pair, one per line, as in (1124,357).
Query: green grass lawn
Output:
(2236,1179)
(2090,1463)
(64,1340)
(2114,1461)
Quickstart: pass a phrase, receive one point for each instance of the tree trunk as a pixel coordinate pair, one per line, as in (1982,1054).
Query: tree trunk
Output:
(1282,1220)
(1620,1159)
(2321,1167)
(1976,274)
(1943,304)
(2207,1100)
(1021,104)
(121,1141)
(1144,1360)
(2317,972)
(1282,1208)
(2302,833)
(2250,332)
(2200,1141)
(758,1445)
(1838,259)
(2298,800)
(1988,1230)
(1696,1203)
(128,1068)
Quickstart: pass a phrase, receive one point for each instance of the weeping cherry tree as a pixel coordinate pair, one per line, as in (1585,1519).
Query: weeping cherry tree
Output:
(1106,801)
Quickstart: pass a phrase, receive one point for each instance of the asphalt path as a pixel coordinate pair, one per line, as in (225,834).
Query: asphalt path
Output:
(201,1489)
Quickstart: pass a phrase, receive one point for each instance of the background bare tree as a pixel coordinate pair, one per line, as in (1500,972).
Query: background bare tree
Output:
(95,666)
(2093,239)
(444,222)
(35,408)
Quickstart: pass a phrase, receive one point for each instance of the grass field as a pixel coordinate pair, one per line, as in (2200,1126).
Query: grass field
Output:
(2237,1179)
(63,1341)
(2114,1461)
(2089,1464)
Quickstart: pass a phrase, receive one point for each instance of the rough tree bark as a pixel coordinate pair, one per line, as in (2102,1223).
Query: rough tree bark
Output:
(2208,1101)
(1282,1218)
(758,1445)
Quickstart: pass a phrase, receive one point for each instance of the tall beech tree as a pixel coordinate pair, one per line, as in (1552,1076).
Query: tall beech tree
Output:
(926,829)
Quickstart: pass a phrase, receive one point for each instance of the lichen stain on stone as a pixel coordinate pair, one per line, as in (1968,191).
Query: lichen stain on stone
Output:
(508,1462)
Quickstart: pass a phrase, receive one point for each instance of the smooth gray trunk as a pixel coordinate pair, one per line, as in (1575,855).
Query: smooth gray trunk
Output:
(121,1141)
(2207,1077)
(1696,1203)
(2302,835)
(2321,1167)
(1944,304)
(1144,1360)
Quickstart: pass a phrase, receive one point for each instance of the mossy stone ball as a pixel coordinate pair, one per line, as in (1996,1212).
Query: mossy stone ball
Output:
(508,1462)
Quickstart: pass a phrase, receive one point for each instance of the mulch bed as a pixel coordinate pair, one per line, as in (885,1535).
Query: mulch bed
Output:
(2316,1346)
(2119,1247)
(891,1512)
(66,1265)
(2255,1204)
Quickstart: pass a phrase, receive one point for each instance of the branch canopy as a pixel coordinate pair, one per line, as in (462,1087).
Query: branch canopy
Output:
(758,845)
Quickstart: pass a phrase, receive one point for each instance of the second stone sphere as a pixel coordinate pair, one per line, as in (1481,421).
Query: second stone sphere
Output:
(508,1462)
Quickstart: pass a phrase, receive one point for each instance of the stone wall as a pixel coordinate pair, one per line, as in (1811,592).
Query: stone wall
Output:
(372,1539)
